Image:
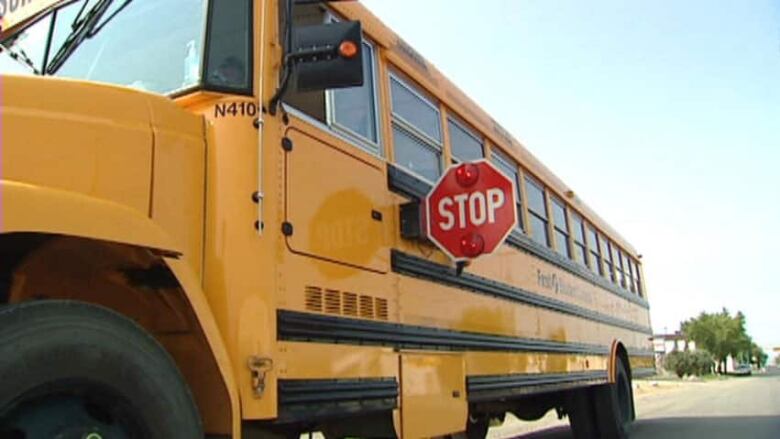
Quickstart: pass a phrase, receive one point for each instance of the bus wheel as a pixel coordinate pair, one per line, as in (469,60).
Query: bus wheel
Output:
(74,370)
(614,406)
(477,427)
(582,417)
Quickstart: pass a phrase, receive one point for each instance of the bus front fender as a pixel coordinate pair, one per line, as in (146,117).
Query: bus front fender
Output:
(26,208)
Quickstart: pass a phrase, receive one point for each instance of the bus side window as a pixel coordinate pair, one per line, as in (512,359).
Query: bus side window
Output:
(537,208)
(509,168)
(595,252)
(351,111)
(618,262)
(464,144)
(579,239)
(606,252)
(561,228)
(416,131)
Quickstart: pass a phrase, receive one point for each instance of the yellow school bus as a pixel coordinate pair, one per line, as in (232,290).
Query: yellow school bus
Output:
(210,227)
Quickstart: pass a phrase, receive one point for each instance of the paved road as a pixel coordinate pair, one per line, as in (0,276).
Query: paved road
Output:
(746,407)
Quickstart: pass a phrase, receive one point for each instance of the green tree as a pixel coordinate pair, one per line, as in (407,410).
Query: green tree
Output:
(758,356)
(683,363)
(720,334)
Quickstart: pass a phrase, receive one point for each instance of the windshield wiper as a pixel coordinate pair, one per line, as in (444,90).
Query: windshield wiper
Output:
(81,30)
(20,56)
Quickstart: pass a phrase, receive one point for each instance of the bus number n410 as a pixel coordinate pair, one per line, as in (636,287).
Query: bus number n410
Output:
(235,109)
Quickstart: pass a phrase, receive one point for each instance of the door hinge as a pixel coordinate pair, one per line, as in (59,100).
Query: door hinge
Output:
(259,366)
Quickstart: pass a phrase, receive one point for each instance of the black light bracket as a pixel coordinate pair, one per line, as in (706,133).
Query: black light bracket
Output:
(289,59)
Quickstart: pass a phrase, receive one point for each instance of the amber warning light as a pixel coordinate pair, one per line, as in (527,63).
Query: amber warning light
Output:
(348,49)
(470,211)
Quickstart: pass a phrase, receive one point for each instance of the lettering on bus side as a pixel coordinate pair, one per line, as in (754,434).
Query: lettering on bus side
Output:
(553,282)
(235,109)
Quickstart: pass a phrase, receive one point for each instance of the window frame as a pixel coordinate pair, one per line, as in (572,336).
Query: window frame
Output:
(398,122)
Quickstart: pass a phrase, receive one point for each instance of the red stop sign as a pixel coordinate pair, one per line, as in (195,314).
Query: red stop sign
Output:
(471,210)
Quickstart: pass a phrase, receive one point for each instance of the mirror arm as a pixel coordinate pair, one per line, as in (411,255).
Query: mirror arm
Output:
(286,64)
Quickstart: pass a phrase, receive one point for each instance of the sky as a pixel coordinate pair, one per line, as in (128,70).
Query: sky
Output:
(663,116)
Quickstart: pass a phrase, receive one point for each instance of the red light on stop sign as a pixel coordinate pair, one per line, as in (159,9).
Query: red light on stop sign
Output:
(467,174)
(472,245)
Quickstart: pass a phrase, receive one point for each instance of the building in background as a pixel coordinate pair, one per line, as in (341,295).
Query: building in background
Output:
(664,344)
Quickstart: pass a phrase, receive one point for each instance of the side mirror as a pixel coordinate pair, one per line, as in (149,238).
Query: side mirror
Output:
(327,56)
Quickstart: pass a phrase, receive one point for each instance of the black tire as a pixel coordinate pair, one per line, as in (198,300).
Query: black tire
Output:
(582,416)
(477,427)
(614,405)
(70,369)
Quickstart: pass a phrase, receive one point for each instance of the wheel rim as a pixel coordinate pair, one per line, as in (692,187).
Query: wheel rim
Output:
(71,411)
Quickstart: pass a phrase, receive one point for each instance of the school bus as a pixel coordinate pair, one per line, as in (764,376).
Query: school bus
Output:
(208,229)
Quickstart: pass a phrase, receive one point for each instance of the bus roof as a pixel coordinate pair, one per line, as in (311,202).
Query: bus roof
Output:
(412,64)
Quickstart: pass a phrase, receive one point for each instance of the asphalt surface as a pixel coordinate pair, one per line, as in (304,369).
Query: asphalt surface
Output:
(740,407)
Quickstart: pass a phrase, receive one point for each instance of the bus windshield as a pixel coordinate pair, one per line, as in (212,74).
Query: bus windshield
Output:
(151,45)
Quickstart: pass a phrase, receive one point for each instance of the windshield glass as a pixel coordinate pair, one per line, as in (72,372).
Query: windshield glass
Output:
(147,44)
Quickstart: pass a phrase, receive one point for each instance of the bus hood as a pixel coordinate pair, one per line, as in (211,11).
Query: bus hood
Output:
(94,139)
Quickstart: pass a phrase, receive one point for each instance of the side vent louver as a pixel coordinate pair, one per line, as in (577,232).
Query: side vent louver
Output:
(314,299)
(381,309)
(345,303)
(350,304)
(332,302)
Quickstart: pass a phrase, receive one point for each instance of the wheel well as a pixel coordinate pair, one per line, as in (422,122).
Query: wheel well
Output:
(133,281)
(622,354)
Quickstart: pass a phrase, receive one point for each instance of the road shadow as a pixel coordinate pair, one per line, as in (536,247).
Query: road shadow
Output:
(727,427)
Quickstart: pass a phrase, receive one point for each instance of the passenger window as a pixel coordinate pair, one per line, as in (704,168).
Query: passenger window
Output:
(579,239)
(415,155)
(606,252)
(416,133)
(354,108)
(618,262)
(561,228)
(348,111)
(595,253)
(630,274)
(411,107)
(465,146)
(537,209)
(509,168)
